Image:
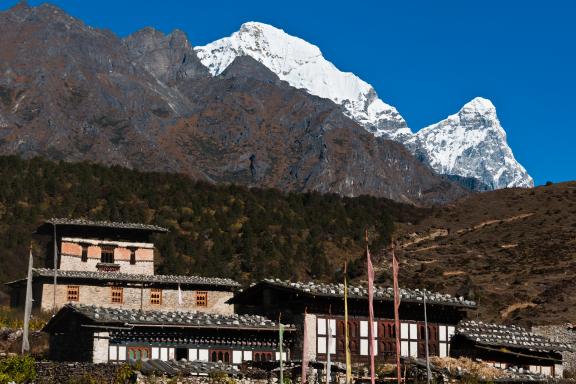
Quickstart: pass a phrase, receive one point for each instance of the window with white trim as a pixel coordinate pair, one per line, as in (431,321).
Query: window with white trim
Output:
(409,339)
(364,336)
(322,327)
(445,333)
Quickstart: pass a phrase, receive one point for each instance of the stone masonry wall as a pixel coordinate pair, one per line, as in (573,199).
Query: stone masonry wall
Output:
(100,347)
(50,372)
(134,296)
(71,256)
(310,324)
(562,333)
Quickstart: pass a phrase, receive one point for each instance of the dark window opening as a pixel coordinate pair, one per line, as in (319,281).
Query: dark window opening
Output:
(84,257)
(181,353)
(132,256)
(107,254)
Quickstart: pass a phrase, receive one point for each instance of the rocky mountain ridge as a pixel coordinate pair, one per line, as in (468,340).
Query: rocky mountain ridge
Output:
(471,143)
(455,147)
(71,92)
(302,65)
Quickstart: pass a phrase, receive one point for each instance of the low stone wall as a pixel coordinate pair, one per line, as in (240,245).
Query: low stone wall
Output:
(54,372)
(199,380)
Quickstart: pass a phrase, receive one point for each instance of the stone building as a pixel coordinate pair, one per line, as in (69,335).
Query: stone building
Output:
(320,307)
(112,265)
(98,334)
(565,333)
(130,291)
(102,246)
(509,346)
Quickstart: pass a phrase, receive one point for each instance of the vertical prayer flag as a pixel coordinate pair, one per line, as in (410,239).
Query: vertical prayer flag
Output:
(55,269)
(347,331)
(304,350)
(395,268)
(280,342)
(328,352)
(27,307)
(370,312)
(180,301)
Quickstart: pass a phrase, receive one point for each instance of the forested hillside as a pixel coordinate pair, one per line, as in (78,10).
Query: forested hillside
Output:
(228,231)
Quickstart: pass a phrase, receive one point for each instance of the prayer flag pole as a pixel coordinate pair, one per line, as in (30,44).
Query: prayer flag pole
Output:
(27,306)
(370,269)
(55,269)
(395,268)
(329,342)
(426,333)
(304,350)
(347,337)
(280,342)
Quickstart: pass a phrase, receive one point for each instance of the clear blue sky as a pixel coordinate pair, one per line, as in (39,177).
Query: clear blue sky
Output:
(425,57)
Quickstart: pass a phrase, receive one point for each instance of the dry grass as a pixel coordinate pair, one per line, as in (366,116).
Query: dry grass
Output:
(453,273)
(517,245)
(511,308)
(14,319)
(467,365)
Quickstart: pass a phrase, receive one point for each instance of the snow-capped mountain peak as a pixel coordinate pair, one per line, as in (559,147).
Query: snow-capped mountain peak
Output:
(471,143)
(479,105)
(302,65)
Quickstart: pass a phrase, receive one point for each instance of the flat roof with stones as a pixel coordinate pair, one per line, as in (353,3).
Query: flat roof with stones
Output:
(80,222)
(132,278)
(119,317)
(361,292)
(498,335)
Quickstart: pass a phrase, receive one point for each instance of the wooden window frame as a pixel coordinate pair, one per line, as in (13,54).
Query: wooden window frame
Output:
(139,352)
(73,292)
(156,296)
(224,355)
(117,295)
(263,356)
(202,299)
(107,254)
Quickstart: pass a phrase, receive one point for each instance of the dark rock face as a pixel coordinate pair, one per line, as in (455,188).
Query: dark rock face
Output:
(72,92)
(169,58)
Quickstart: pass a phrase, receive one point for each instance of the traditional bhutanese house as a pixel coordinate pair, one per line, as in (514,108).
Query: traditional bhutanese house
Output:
(112,264)
(98,334)
(127,290)
(101,246)
(506,346)
(320,307)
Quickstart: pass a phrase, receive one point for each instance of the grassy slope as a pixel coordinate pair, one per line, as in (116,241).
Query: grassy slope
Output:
(514,250)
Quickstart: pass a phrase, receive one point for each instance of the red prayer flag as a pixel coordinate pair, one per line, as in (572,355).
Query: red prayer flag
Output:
(304,350)
(370,312)
(395,268)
